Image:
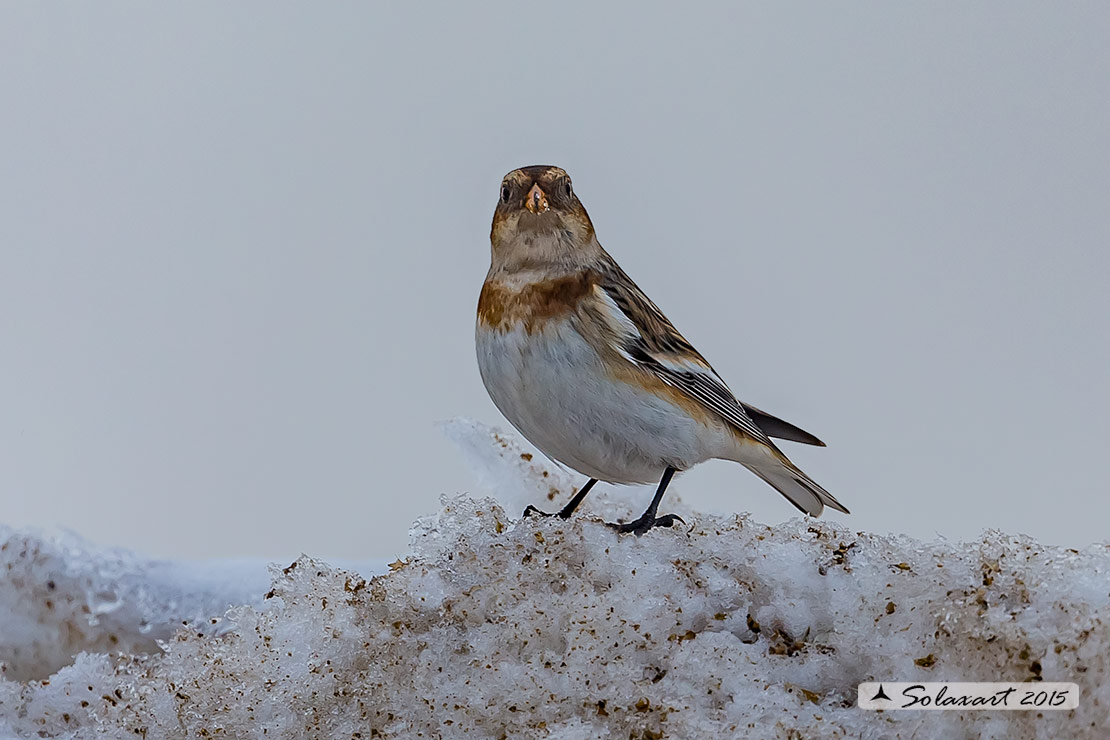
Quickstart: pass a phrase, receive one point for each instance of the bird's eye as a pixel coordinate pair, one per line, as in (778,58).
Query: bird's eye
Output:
(506,193)
(567,190)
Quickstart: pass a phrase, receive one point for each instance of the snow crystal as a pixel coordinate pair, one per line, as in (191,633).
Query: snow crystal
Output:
(496,626)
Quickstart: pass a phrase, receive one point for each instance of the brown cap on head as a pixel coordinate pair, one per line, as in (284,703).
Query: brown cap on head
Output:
(539,191)
(539,218)
(550,183)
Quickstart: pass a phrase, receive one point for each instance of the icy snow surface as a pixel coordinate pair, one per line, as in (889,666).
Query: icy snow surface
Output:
(496,627)
(60,595)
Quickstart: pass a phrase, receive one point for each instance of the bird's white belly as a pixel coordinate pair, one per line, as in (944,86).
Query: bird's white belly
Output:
(551,385)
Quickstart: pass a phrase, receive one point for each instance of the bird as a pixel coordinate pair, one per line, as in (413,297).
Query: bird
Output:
(584,365)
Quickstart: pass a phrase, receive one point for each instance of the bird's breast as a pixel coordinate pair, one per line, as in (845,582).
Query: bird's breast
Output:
(554,386)
(537,378)
(506,305)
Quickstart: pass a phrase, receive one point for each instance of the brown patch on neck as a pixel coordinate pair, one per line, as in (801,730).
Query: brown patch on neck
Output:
(503,308)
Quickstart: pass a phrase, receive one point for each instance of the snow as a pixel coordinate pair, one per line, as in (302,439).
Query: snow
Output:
(60,595)
(495,626)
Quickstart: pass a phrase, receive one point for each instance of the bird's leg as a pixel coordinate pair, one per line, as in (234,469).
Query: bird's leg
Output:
(567,510)
(648,519)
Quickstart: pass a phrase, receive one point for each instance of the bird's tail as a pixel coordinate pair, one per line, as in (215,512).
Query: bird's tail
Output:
(799,488)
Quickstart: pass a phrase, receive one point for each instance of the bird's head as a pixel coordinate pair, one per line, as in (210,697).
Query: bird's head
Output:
(539,221)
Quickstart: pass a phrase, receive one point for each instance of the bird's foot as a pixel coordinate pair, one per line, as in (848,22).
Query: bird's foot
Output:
(644,523)
(533,511)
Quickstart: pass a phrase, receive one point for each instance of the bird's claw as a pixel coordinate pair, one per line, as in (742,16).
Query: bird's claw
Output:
(643,524)
(532,510)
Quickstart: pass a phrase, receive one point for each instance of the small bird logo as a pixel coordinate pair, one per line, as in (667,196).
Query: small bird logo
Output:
(591,372)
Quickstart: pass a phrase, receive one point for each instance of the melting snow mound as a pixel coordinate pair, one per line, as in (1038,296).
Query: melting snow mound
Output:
(497,627)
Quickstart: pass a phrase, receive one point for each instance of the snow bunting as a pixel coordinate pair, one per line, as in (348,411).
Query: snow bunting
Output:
(586,367)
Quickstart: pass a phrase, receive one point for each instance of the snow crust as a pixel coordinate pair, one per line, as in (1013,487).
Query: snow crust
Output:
(495,626)
(61,595)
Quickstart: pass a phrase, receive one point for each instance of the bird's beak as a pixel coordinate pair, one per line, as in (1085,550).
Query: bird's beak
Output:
(536,202)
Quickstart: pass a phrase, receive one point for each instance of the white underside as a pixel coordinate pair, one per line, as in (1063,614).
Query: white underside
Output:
(552,387)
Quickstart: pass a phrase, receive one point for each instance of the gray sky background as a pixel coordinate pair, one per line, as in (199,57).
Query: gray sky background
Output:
(241,246)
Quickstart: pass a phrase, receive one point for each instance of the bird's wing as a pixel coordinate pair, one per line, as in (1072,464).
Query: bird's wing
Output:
(650,341)
(778,428)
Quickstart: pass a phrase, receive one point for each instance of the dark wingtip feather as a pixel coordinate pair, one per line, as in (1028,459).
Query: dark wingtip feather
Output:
(775,427)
